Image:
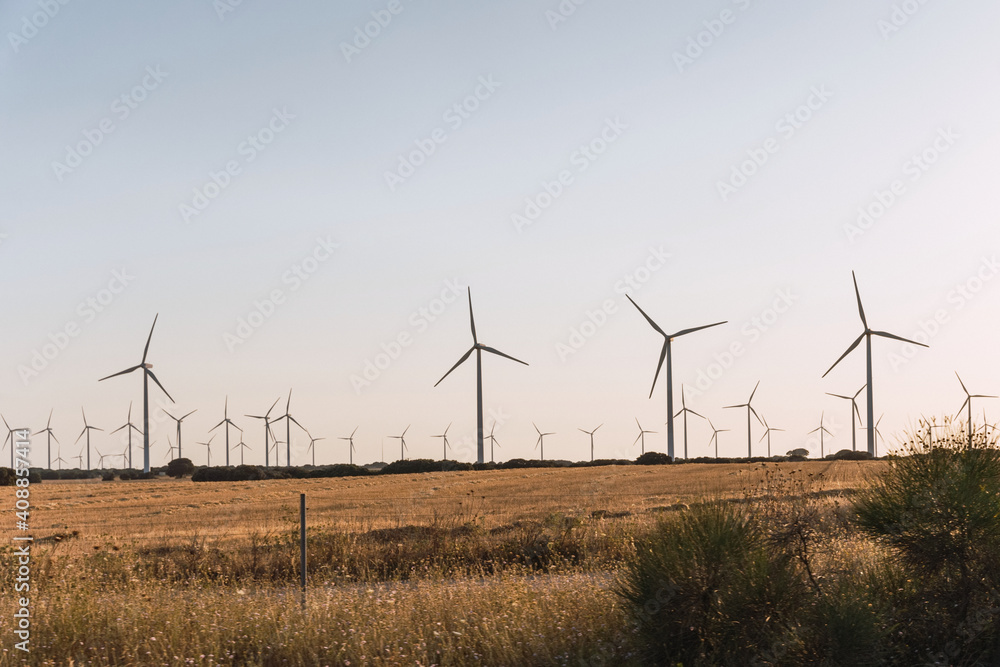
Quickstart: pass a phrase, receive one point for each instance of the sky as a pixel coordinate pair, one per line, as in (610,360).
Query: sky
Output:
(304,193)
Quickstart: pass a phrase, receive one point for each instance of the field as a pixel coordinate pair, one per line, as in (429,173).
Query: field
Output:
(514,567)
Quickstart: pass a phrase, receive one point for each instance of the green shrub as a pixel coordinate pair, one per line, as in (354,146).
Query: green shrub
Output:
(180,467)
(652,459)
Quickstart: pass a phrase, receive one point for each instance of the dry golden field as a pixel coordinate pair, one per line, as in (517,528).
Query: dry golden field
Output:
(511,567)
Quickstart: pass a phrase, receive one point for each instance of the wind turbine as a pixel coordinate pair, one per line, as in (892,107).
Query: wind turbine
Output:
(444,437)
(180,452)
(867,336)
(267,429)
(822,429)
(242,446)
(312,446)
(591,434)
(288,430)
(541,440)
(968,402)
(87,428)
(130,426)
(10,439)
(715,436)
(208,448)
(665,353)
(642,436)
(402,442)
(767,434)
(854,402)
(685,410)
(478,348)
(59,459)
(750,409)
(350,448)
(493,440)
(49,438)
(170,449)
(228,422)
(79,460)
(100,458)
(146,374)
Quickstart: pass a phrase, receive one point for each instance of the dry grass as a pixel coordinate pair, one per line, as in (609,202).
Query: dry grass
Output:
(492,567)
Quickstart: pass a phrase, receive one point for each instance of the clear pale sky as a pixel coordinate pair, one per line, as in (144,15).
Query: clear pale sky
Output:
(207,153)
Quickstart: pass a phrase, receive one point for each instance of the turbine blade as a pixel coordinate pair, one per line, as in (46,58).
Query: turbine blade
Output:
(160,385)
(648,318)
(861,309)
(696,414)
(457,364)
(849,350)
(145,351)
(189,414)
(659,365)
(268,413)
(494,351)
(115,431)
(472,318)
(886,334)
(127,370)
(683,332)
(750,400)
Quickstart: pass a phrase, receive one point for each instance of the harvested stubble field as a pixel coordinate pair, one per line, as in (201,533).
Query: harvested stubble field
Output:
(512,567)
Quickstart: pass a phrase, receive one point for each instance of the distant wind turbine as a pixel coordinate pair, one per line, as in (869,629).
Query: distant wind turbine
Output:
(50,437)
(289,419)
(767,434)
(208,449)
(312,446)
(228,422)
(867,336)
(968,402)
(170,449)
(854,402)
(715,436)
(242,446)
(180,452)
(130,427)
(79,460)
(541,440)
(665,353)
(10,439)
(685,410)
(478,348)
(147,373)
(591,434)
(59,459)
(87,428)
(641,437)
(350,448)
(402,442)
(750,409)
(267,429)
(493,440)
(100,458)
(822,429)
(444,437)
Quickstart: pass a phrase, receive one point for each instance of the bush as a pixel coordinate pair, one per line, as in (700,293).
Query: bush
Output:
(7,476)
(653,459)
(706,589)
(180,467)
(849,455)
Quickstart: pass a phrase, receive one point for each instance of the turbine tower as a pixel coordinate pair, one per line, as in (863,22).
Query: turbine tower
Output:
(444,437)
(750,409)
(267,429)
(867,336)
(350,448)
(130,426)
(478,348)
(229,422)
(767,434)
(541,440)
(289,419)
(147,373)
(591,434)
(180,452)
(822,429)
(87,428)
(402,442)
(665,353)
(685,410)
(968,402)
(641,437)
(50,437)
(854,402)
